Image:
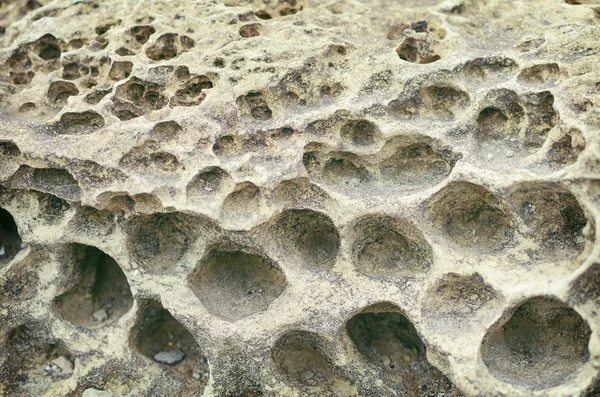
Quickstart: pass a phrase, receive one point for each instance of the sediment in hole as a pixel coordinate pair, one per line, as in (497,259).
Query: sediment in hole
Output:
(234,282)
(98,292)
(537,345)
(385,247)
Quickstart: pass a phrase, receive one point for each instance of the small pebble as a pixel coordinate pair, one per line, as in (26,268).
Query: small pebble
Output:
(100,315)
(170,357)
(419,26)
(386,361)
(64,364)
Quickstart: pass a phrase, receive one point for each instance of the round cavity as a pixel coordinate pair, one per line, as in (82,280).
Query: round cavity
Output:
(161,338)
(540,345)
(553,216)
(235,282)
(309,235)
(389,247)
(387,340)
(99,291)
(360,132)
(455,300)
(299,356)
(158,241)
(471,216)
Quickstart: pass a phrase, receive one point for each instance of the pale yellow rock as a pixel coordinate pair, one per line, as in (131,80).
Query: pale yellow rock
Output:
(304,198)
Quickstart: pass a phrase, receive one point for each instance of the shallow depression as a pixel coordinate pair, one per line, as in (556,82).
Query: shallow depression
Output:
(537,346)
(234,282)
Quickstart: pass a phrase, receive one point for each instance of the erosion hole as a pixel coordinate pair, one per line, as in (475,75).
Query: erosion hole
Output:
(299,356)
(210,182)
(31,361)
(471,216)
(99,292)
(388,341)
(389,247)
(80,123)
(60,91)
(310,235)
(163,339)
(158,241)
(360,132)
(10,241)
(537,346)
(234,282)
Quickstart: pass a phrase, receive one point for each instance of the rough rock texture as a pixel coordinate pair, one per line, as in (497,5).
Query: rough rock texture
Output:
(299,198)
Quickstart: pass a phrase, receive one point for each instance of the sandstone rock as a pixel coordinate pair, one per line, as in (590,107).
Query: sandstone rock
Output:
(338,197)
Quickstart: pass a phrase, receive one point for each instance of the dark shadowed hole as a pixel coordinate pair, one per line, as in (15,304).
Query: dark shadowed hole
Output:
(30,367)
(310,235)
(387,340)
(298,355)
(10,241)
(539,346)
(156,332)
(99,291)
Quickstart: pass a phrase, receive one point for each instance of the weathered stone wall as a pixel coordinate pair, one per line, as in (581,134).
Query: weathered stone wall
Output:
(299,198)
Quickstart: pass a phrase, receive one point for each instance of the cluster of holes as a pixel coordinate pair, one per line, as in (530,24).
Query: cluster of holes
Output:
(256,105)
(441,100)
(148,158)
(409,162)
(40,55)
(169,46)
(238,145)
(514,125)
(135,38)
(88,69)
(137,97)
(278,8)
(192,92)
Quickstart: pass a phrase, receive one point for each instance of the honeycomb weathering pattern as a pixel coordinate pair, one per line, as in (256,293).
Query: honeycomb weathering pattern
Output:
(299,198)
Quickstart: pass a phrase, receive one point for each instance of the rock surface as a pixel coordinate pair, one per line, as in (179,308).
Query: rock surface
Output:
(308,198)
